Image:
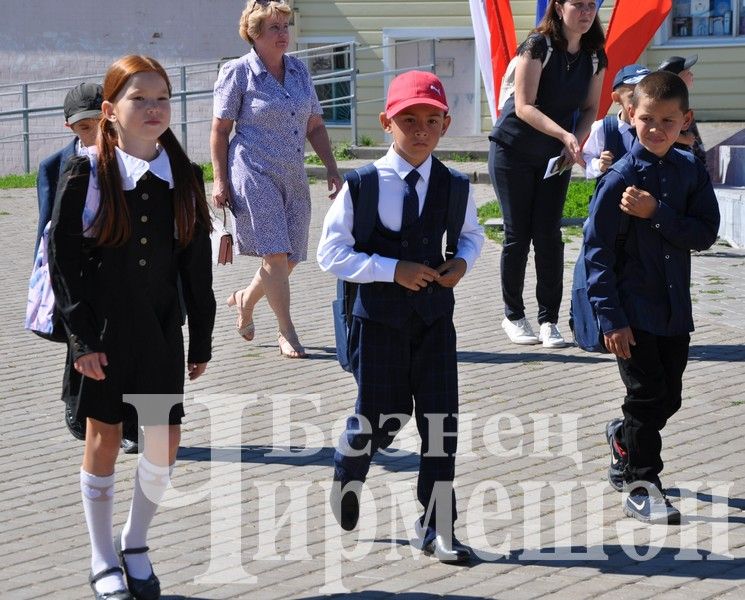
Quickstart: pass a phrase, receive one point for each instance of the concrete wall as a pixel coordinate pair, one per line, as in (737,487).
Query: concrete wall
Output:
(45,39)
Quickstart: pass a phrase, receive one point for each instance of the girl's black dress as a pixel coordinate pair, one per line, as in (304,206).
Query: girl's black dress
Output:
(129,301)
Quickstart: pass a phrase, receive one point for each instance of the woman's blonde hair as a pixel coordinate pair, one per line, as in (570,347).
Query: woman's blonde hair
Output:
(254,15)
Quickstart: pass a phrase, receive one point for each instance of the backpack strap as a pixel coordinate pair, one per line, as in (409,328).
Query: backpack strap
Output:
(613,139)
(610,128)
(549,50)
(457,203)
(625,168)
(363,191)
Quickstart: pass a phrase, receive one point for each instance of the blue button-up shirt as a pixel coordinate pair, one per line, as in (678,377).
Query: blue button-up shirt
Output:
(647,286)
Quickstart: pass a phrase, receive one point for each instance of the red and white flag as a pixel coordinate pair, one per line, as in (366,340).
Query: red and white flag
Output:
(632,25)
(494,33)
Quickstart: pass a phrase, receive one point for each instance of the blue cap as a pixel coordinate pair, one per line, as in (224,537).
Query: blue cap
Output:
(630,75)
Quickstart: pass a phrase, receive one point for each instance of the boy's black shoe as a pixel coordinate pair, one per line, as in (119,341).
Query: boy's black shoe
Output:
(345,502)
(446,549)
(650,505)
(617,455)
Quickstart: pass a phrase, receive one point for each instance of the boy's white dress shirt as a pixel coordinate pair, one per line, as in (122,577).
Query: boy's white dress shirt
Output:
(596,142)
(336,252)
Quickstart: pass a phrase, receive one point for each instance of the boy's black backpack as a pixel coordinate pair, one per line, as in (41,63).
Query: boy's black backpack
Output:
(582,318)
(363,190)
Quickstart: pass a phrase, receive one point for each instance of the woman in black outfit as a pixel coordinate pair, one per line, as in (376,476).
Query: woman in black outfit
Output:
(549,114)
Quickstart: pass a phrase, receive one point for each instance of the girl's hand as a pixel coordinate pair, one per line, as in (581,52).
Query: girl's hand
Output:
(334,182)
(91,365)
(571,148)
(220,193)
(196,369)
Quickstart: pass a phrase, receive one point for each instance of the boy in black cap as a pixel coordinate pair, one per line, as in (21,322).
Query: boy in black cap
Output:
(611,137)
(82,109)
(690,139)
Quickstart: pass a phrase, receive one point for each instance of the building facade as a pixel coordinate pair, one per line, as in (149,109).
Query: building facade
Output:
(46,39)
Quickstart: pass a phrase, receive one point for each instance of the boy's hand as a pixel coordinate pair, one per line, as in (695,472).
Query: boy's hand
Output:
(414,276)
(605,160)
(638,203)
(451,272)
(619,342)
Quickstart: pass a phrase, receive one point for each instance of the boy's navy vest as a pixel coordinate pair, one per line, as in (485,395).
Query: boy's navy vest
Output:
(390,303)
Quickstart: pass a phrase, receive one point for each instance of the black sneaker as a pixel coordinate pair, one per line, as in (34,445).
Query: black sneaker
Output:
(618,455)
(650,505)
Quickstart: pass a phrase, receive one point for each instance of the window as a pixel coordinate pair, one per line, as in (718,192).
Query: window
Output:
(708,18)
(333,96)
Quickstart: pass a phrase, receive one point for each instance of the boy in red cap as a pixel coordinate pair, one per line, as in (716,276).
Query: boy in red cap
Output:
(402,340)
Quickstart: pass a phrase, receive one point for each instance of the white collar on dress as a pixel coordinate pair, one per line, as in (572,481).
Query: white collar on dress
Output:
(132,168)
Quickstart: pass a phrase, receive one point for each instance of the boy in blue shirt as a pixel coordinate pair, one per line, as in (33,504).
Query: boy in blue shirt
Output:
(640,286)
(402,343)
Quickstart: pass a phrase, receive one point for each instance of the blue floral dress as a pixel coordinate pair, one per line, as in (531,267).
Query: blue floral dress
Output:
(268,186)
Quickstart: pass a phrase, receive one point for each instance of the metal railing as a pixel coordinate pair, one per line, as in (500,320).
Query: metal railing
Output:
(31,112)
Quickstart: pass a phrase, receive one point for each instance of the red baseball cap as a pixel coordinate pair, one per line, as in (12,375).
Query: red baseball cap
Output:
(415,87)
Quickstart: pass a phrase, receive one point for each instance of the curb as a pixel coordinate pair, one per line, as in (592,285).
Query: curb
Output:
(498,222)
(319,172)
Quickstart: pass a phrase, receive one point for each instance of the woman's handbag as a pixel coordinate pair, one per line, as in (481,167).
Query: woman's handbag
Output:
(222,239)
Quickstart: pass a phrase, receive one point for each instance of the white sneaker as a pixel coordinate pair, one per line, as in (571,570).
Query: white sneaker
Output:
(551,337)
(519,332)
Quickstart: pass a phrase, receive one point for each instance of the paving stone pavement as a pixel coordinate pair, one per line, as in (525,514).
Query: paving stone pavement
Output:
(248,516)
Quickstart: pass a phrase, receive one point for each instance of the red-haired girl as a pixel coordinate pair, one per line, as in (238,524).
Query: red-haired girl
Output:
(130,235)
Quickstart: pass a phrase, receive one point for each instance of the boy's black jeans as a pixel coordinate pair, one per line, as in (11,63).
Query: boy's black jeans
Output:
(653,377)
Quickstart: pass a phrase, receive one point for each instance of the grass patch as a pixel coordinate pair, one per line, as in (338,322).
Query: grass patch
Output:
(207,172)
(712,291)
(716,280)
(343,152)
(24,180)
(312,159)
(578,198)
(462,157)
(366,140)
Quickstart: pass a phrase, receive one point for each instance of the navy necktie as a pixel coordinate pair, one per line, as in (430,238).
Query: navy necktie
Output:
(410,211)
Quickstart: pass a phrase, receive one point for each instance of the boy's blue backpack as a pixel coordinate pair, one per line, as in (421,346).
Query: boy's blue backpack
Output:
(582,318)
(363,191)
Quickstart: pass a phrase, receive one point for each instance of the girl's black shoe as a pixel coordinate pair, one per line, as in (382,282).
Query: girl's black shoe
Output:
(117,595)
(141,589)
